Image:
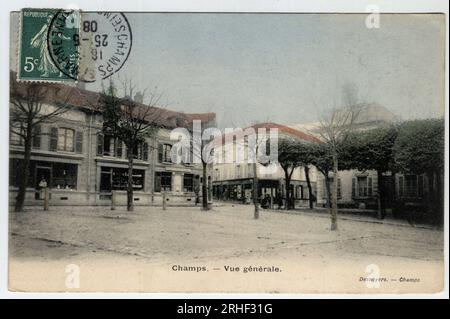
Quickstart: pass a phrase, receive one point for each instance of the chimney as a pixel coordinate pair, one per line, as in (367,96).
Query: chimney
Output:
(138,97)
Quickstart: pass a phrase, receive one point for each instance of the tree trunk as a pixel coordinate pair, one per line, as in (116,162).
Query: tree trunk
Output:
(255,190)
(308,182)
(286,189)
(24,171)
(334,194)
(130,205)
(205,187)
(328,187)
(381,208)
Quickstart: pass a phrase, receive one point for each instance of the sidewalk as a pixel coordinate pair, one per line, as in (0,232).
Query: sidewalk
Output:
(323,212)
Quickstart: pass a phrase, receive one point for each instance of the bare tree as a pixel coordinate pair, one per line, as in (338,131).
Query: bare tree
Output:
(130,121)
(334,129)
(199,151)
(28,110)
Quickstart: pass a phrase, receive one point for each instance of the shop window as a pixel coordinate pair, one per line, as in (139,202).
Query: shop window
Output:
(64,176)
(115,178)
(188,183)
(163,181)
(57,175)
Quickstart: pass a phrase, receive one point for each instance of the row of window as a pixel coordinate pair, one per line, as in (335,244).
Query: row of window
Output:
(408,186)
(64,176)
(56,175)
(69,140)
(239,172)
(110,146)
(361,187)
(113,178)
(163,182)
(61,139)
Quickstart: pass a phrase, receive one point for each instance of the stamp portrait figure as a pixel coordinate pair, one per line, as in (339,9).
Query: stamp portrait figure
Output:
(46,65)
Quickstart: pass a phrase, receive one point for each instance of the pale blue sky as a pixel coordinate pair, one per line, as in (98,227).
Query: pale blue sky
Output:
(287,68)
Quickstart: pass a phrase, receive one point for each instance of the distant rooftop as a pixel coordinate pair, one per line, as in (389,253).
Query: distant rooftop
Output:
(81,98)
(371,115)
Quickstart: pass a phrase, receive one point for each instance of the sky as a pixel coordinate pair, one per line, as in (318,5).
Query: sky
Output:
(285,68)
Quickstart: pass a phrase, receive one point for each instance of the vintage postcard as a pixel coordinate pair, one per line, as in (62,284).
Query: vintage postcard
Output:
(297,153)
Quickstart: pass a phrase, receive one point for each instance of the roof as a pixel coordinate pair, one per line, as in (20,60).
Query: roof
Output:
(371,115)
(89,101)
(290,131)
(283,129)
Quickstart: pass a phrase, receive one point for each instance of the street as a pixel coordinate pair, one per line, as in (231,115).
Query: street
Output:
(221,250)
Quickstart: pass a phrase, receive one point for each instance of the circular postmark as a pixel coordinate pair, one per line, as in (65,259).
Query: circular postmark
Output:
(89,46)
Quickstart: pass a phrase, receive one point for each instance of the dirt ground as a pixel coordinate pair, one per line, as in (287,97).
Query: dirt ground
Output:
(222,250)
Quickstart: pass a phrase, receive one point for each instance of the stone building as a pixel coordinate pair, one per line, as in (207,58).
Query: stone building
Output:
(81,165)
(232,180)
(358,189)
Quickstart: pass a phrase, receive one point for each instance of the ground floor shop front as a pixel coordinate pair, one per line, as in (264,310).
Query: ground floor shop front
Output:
(74,183)
(271,192)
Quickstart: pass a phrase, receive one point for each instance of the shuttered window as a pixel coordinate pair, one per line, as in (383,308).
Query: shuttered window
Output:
(53,139)
(145,151)
(164,151)
(79,142)
(160,153)
(37,136)
(100,144)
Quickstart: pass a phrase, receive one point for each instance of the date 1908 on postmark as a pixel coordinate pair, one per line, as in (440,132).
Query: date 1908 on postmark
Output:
(70,45)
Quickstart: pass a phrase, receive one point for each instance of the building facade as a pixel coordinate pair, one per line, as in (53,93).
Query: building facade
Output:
(359,189)
(81,165)
(233,180)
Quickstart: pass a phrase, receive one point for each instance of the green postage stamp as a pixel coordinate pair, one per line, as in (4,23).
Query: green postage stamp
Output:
(70,45)
(48,49)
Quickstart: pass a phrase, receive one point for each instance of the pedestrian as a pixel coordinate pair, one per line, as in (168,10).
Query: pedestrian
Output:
(42,186)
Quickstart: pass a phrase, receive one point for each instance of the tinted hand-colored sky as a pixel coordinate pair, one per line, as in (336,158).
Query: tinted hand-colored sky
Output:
(287,68)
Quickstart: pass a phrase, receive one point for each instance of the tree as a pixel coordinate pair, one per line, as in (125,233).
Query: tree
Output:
(419,149)
(130,122)
(334,129)
(371,150)
(28,110)
(289,160)
(204,153)
(305,155)
(322,159)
